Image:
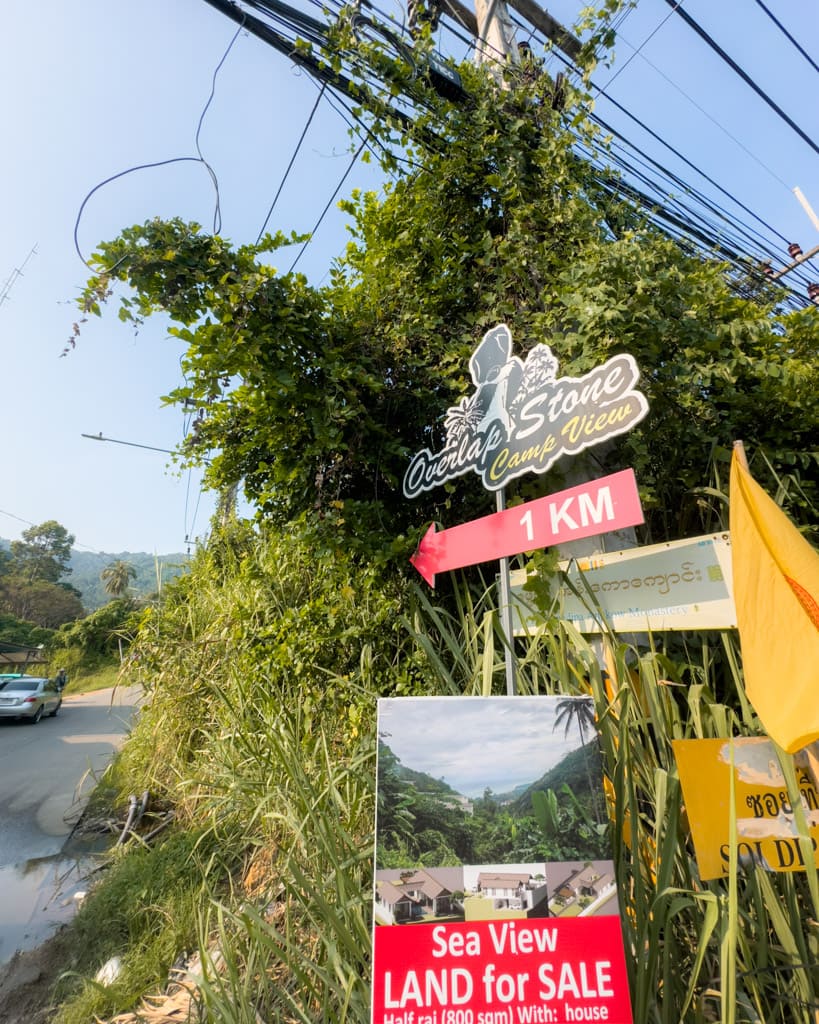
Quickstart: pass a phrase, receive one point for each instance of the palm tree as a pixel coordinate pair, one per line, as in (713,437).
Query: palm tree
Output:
(575,709)
(579,710)
(117,578)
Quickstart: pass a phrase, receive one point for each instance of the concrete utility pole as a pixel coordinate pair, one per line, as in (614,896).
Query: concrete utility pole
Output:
(795,250)
(496,34)
(497,42)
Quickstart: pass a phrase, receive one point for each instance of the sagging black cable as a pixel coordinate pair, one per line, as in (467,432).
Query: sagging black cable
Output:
(292,161)
(709,204)
(217,210)
(742,74)
(787,34)
(692,165)
(703,234)
(330,202)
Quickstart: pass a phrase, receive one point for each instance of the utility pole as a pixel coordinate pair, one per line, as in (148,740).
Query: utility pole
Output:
(795,251)
(496,34)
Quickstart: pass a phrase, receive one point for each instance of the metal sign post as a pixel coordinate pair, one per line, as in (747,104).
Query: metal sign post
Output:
(506,611)
(520,419)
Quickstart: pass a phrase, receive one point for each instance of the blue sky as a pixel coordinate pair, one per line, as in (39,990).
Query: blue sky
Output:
(93,88)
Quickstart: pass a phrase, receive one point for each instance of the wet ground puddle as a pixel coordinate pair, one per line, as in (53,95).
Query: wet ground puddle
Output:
(41,894)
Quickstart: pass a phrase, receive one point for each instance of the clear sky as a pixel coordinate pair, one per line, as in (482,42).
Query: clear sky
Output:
(92,88)
(475,742)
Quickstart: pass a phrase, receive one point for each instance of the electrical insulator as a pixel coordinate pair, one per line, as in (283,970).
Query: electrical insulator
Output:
(795,250)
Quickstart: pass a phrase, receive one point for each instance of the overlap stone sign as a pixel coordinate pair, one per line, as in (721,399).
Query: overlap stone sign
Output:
(522,417)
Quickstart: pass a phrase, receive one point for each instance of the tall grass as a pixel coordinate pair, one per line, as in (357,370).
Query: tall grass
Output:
(739,949)
(264,666)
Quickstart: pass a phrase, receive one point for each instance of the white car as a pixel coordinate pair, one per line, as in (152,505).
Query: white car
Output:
(28,697)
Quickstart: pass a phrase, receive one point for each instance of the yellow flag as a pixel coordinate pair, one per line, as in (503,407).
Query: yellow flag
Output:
(776,592)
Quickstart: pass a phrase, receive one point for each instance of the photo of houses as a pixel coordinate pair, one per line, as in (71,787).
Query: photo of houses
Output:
(490,808)
(490,892)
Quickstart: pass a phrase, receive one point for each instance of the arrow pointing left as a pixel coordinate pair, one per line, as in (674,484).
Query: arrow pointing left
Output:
(598,506)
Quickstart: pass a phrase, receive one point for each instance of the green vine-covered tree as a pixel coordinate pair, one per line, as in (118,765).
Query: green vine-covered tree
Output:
(316,396)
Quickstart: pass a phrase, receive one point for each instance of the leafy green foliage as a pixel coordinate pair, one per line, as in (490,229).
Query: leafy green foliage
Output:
(260,731)
(43,554)
(144,914)
(423,823)
(262,665)
(152,573)
(313,397)
(47,605)
(19,631)
(101,632)
(31,584)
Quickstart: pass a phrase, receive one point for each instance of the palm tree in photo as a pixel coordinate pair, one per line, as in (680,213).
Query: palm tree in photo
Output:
(117,578)
(580,711)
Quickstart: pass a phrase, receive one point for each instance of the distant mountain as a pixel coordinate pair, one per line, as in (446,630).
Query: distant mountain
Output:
(575,769)
(512,795)
(152,571)
(425,783)
(421,781)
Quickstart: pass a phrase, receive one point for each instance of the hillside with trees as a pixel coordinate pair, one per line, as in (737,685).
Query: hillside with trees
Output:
(262,664)
(421,823)
(146,573)
(150,573)
(81,610)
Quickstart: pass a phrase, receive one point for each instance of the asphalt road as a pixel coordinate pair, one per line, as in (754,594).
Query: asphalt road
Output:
(47,770)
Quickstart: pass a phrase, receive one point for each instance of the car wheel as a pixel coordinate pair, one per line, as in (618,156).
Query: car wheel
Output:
(38,714)
(54,712)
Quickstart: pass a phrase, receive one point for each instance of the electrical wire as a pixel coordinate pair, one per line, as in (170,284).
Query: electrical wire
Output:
(75,543)
(307,124)
(701,32)
(568,67)
(638,49)
(187,501)
(709,223)
(602,92)
(217,212)
(200,492)
(704,112)
(217,217)
(698,170)
(327,207)
(359,128)
(689,189)
(122,174)
(787,34)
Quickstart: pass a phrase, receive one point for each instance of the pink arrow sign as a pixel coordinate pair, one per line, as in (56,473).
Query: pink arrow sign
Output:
(610,503)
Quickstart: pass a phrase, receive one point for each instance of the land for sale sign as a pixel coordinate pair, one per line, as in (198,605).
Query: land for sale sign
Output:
(495,898)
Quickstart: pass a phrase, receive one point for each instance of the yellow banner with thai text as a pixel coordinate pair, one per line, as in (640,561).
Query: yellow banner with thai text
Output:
(767,835)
